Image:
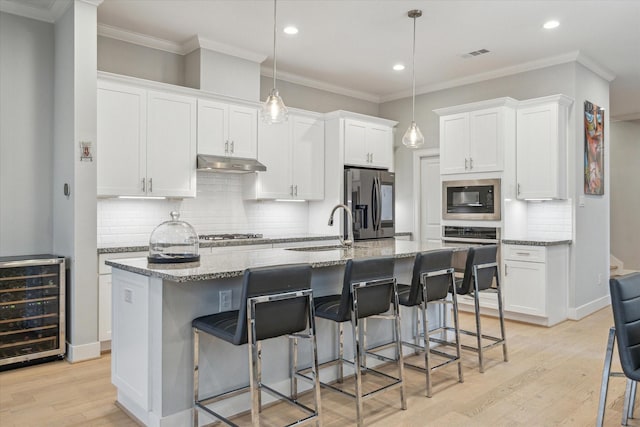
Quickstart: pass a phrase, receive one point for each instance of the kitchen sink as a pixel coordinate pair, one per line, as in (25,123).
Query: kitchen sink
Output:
(322,248)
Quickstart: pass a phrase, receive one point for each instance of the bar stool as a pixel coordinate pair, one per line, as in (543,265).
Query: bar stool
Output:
(432,278)
(480,270)
(368,290)
(625,303)
(275,301)
(606,374)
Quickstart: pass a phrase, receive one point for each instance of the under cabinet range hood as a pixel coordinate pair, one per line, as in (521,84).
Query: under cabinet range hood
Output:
(229,164)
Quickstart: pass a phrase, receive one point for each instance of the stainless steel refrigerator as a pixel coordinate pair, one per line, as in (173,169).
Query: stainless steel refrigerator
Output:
(370,194)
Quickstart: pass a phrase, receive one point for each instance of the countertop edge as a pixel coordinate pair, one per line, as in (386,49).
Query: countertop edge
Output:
(536,242)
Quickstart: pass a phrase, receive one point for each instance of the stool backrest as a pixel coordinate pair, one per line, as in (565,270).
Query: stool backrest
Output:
(274,318)
(374,300)
(625,303)
(437,286)
(477,256)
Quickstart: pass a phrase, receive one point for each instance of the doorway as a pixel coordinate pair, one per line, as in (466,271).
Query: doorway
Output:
(427,192)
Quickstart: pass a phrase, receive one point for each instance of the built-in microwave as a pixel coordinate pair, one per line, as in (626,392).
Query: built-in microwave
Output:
(471,199)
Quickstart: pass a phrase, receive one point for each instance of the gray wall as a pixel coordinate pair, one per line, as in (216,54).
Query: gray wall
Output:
(26,121)
(624,145)
(307,98)
(120,57)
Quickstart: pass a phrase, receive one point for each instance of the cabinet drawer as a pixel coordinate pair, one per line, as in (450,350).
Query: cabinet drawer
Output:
(525,253)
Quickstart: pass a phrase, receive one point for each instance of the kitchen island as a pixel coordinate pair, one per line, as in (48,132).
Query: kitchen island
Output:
(153,306)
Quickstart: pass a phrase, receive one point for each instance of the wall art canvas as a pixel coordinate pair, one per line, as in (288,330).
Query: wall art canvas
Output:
(593,149)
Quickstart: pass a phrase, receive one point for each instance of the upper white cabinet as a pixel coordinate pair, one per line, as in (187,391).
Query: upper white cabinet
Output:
(368,144)
(473,137)
(227,129)
(146,142)
(293,153)
(541,149)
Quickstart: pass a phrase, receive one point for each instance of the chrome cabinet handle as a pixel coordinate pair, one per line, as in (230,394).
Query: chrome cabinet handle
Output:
(518,189)
(226,146)
(150,185)
(470,162)
(371,157)
(506,270)
(291,192)
(523,253)
(232,146)
(144,187)
(296,187)
(466,163)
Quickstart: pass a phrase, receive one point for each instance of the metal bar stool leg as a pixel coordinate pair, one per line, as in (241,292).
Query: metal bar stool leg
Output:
(356,360)
(456,325)
(340,353)
(501,313)
(476,300)
(627,402)
(427,349)
(398,335)
(606,372)
(632,401)
(293,354)
(254,362)
(196,374)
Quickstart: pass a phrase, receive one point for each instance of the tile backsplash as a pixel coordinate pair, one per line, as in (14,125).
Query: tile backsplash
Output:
(549,219)
(218,208)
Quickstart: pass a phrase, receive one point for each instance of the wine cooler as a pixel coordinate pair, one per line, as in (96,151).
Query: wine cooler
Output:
(32,309)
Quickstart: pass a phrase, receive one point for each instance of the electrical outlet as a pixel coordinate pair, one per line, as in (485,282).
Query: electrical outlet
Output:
(225,300)
(128,295)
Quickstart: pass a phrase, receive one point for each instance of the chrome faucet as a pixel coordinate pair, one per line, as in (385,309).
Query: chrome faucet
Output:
(349,240)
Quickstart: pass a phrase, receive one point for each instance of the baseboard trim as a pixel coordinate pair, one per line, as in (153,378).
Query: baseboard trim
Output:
(82,352)
(589,308)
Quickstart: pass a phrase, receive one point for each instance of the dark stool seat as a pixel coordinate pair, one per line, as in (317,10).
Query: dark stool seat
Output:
(368,290)
(433,276)
(275,302)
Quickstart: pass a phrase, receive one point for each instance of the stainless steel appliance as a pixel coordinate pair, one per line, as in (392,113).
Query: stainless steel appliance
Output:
(471,199)
(32,309)
(230,236)
(370,194)
(469,236)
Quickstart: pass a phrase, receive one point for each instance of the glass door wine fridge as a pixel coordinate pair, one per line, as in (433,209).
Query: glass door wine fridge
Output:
(32,308)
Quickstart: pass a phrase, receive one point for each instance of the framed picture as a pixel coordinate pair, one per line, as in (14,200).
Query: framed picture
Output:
(593,149)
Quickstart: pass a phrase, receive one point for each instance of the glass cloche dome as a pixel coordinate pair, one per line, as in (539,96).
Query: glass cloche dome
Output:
(173,241)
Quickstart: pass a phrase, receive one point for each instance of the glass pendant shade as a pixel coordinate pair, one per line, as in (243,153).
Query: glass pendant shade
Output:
(413,137)
(274,110)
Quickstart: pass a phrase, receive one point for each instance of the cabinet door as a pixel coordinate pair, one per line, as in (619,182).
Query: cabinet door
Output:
(486,139)
(212,128)
(380,146)
(121,140)
(454,143)
(307,148)
(275,153)
(355,143)
(104,307)
(243,129)
(538,170)
(525,287)
(171,147)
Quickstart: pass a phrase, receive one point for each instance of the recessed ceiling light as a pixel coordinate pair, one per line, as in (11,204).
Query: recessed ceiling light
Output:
(550,25)
(398,67)
(291,30)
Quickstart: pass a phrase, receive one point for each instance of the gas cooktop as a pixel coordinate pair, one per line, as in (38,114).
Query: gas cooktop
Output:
(230,236)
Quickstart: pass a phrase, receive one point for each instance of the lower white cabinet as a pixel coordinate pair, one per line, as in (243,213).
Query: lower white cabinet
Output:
(536,282)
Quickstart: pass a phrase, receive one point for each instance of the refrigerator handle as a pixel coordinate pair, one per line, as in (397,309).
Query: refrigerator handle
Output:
(374,205)
(379,204)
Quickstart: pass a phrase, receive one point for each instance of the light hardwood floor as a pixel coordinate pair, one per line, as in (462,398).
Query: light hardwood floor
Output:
(552,379)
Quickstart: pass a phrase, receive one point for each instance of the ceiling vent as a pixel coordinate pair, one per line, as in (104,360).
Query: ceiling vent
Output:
(475,53)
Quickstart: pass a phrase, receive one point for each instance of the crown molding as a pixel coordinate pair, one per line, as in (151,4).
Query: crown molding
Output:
(26,10)
(575,56)
(139,39)
(321,85)
(625,117)
(247,54)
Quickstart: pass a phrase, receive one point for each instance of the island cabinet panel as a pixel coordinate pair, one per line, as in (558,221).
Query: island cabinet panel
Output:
(146,142)
(368,144)
(227,129)
(541,148)
(536,282)
(293,153)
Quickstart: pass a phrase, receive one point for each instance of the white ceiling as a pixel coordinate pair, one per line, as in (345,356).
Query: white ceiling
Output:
(349,46)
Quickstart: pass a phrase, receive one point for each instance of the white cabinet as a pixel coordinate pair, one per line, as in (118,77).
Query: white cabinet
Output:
(293,153)
(474,141)
(368,144)
(146,142)
(536,282)
(227,129)
(541,148)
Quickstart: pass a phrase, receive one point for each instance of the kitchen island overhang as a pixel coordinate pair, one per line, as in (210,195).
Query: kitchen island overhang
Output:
(152,349)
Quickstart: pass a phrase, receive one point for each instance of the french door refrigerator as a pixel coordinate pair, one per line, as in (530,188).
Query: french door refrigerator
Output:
(370,194)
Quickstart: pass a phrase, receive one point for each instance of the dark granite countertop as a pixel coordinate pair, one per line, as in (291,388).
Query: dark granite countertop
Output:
(220,266)
(537,242)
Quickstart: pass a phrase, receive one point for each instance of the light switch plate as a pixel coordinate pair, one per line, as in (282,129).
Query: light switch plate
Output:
(225,300)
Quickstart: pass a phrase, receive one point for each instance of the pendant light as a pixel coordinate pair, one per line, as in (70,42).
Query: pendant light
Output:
(413,137)
(274,110)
